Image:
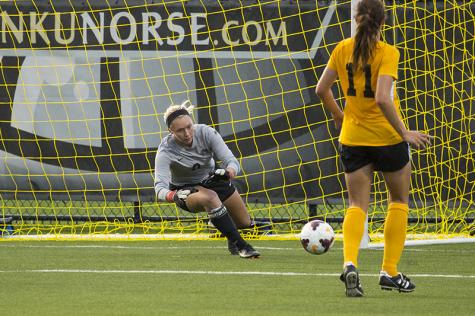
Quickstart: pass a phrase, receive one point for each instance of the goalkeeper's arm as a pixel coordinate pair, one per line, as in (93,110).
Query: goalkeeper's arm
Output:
(162,180)
(162,176)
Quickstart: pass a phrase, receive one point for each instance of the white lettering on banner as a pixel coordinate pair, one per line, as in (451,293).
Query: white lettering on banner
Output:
(115,31)
(225,33)
(195,27)
(125,28)
(148,29)
(175,28)
(271,34)
(59,28)
(16,31)
(37,27)
(88,23)
(245,33)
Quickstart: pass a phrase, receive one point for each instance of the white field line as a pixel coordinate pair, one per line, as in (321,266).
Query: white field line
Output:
(297,248)
(202,272)
(455,240)
(412,239)
(141,247)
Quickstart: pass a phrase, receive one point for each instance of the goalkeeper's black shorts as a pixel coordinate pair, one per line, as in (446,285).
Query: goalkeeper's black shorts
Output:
(383,158)
(224,189)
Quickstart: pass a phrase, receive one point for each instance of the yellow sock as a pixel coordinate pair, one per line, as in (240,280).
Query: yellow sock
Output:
(394,236)
(353,229)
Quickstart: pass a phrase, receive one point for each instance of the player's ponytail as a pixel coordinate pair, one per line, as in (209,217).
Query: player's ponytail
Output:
(369,18)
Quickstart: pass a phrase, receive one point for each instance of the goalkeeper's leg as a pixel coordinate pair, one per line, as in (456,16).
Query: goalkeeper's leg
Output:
(238,211)
(209,201)
(240,215)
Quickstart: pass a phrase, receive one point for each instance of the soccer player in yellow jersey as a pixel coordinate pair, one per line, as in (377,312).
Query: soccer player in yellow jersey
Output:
(372,138)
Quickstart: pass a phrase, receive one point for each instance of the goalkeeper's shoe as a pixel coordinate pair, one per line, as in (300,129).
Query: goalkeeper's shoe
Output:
(399,282)
(233,248)
(248,252)
(351,279)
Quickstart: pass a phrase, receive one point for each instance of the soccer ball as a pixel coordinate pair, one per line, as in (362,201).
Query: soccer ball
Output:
(317,237)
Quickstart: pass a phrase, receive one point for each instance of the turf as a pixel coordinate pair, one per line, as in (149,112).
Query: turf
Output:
(196,278)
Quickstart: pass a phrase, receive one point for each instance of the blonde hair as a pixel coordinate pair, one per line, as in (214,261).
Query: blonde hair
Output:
(174,108)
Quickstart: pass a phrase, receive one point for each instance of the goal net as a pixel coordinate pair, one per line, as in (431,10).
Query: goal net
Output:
(84,84)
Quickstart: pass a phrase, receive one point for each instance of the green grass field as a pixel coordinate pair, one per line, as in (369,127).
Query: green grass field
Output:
(200,278)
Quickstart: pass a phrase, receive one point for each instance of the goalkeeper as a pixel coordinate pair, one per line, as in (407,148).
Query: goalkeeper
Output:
(373,138)
(185,174)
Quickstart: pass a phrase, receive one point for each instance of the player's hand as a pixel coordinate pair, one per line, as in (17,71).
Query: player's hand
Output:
(417,139)
(231,172)
(338,120)
(180,196)
(220,175)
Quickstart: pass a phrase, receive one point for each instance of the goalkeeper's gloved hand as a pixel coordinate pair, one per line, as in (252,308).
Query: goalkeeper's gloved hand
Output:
(179,196)
(220,175)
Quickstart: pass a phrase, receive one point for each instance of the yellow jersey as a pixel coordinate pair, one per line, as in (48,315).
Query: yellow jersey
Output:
(364,124)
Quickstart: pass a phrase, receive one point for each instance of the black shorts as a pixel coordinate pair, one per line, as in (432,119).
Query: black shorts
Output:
(224,189)
(383,158)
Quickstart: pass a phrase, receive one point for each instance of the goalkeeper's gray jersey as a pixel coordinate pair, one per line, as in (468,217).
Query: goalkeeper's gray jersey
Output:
(181,165)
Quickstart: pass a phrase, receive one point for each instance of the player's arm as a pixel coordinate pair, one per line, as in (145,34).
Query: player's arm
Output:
(388,73)
(162,181)
(325,93)
(385,103)
(222,152)
(162,176)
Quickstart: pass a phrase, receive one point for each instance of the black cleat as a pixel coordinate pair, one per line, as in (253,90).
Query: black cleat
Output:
(351,279)
(248,252)
(232,247)
(399,282)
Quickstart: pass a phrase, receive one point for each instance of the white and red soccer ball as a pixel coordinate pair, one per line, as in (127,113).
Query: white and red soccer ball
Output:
(317,237)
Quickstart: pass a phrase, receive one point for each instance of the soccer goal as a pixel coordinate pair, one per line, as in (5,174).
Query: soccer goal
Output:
(84,84)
